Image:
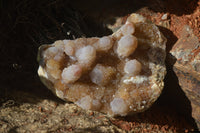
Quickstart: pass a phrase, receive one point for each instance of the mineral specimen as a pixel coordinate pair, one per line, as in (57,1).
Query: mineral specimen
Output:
(118,74)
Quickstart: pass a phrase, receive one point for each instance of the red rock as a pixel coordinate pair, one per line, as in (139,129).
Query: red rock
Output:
(187,68)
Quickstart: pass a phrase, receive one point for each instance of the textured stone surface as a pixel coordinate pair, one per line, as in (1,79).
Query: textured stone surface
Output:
(187,68)
(23,116)
(118,74)
(40,111)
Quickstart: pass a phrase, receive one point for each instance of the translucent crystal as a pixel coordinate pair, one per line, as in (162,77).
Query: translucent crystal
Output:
(117,74)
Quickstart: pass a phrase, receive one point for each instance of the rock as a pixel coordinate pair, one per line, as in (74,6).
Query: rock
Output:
(96,73)
(40,111)
(50,116)
(187,68)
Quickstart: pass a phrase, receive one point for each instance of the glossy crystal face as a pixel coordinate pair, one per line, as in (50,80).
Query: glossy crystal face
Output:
(118,74)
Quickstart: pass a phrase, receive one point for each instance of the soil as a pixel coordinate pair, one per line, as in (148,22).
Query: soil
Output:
(26,105)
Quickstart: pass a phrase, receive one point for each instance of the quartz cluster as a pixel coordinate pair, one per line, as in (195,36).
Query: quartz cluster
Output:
(118,74)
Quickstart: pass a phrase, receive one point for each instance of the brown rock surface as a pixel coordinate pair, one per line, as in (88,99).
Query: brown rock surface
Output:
(187,67)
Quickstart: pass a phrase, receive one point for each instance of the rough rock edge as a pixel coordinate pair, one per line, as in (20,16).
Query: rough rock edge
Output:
(186,52)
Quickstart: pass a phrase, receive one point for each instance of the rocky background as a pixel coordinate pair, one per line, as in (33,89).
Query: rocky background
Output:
(27,106)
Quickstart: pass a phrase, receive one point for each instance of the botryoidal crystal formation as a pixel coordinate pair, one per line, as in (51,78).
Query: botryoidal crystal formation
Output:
(119,74)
